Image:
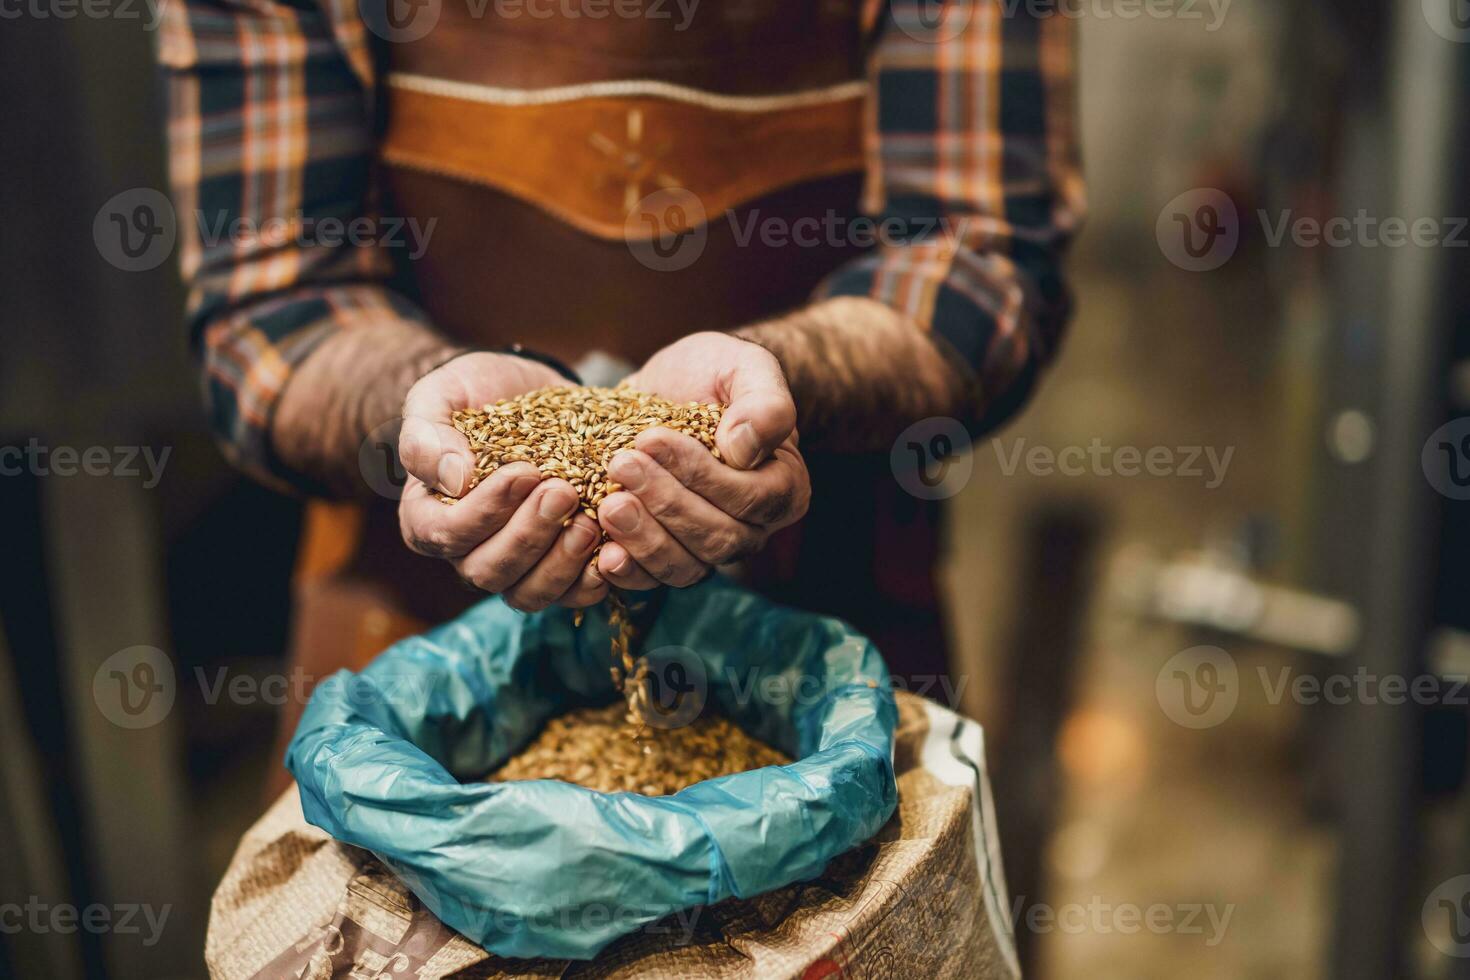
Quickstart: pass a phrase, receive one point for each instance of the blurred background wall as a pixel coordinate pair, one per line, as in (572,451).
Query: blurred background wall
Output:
(1153,641)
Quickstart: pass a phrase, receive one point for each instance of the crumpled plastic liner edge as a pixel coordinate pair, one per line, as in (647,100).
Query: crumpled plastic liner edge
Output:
(389,759)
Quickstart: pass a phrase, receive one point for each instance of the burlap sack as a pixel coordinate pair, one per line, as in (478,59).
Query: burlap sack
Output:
(926,897)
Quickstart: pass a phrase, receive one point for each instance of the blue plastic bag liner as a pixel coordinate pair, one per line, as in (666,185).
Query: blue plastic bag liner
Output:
(390,760)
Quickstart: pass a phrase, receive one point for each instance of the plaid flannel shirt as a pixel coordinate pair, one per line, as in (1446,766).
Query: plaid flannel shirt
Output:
(969,143)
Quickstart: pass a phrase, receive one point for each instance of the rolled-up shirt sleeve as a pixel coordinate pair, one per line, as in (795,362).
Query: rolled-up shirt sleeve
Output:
(973,176)
(270,138)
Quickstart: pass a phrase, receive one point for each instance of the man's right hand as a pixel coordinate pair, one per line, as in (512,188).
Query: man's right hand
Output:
(505,535)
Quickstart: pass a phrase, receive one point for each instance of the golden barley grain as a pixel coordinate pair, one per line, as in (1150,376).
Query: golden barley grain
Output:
(573,433)
(583,747)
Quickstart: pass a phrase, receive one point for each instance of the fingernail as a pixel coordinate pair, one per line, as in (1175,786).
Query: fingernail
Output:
(628,470)
(523,485)
(745,446)
(409,443)
(451,474)
(624,517)
(577,538)
(556,504)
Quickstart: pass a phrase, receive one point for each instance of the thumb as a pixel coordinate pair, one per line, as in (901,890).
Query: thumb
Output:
(436,453)
(760,415)
(430,447)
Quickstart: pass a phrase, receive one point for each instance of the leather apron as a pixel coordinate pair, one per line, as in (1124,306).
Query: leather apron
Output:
(611,184)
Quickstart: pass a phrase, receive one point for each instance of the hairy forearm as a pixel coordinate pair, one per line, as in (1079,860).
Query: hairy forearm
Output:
(860,373)
(354,382)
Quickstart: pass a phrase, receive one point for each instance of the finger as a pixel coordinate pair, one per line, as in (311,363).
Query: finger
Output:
(629,524)
(708,533)
(510,553)
(589,589)
(759,414)
(432,527)
(428,445)
(621,571)
(437,454)
(771,496)
(558,570)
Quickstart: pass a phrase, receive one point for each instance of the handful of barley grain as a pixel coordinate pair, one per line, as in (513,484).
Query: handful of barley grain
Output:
(573,433)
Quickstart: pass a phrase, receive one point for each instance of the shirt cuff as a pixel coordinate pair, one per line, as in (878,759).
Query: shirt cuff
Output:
(250,354)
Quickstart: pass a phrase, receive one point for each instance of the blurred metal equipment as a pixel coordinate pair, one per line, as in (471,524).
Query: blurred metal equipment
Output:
(1052,598)
(91,361)
(1207,592)
(105,536)
(31,862)
(1394,349)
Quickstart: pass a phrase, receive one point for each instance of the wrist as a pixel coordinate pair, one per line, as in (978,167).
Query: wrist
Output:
(546,360)
(859,372)
(522,357)
(352,384)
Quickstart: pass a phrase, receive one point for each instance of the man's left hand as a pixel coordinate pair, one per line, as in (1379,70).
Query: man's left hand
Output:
(683,511)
